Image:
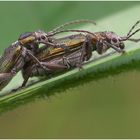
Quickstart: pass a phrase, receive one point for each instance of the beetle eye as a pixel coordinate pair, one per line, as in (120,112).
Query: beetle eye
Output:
(43,37)
(114,40)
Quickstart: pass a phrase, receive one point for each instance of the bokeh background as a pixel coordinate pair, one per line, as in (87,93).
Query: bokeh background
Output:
(108,108)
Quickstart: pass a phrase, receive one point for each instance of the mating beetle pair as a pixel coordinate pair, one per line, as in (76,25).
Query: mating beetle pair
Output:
(26,55)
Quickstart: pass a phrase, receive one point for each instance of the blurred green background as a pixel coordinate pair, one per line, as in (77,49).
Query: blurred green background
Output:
(108,108)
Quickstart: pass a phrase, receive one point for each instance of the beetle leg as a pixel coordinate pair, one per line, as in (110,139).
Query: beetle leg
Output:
(53,66)
(48,68)
(34,58)
(25,81)
(63,46)
(5,76)
(66,62)
(114,47)
(86,50)
(88,47)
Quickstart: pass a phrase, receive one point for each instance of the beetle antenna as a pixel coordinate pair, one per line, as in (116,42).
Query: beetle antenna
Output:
(71,30)
(133,27)
(73,22)
(127,37)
